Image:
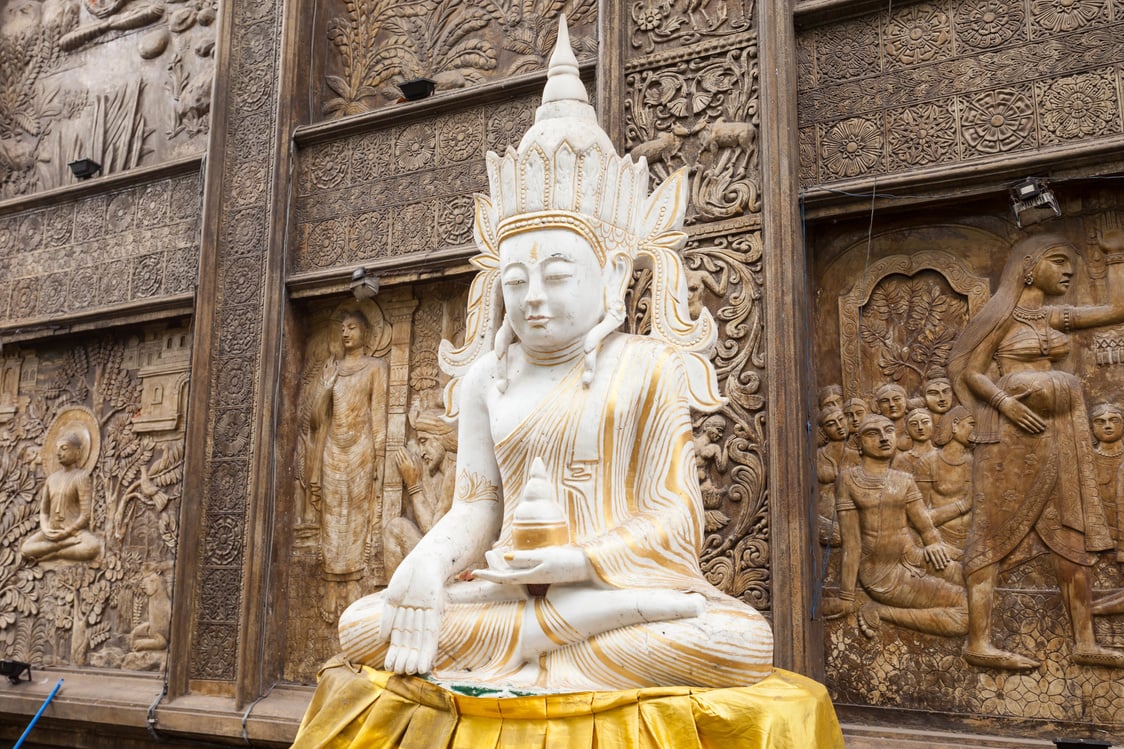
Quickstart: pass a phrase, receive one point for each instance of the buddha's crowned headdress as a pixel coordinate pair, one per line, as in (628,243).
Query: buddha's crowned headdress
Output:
(566,174)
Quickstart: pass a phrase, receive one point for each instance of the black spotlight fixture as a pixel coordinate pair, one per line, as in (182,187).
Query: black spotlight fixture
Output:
(418,88)
(14,670)
(1081,744)
(84,168)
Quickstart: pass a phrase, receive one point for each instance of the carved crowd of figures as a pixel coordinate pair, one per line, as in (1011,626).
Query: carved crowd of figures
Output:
(994,461)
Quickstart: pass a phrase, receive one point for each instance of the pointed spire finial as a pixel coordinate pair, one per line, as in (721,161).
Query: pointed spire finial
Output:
(563,82)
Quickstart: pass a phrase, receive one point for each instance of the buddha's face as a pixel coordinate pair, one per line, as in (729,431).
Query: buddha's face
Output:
(920,427)
(938,396)
(553,287)
(1054,271)
(67,452)
(877,440)
(1108,426)
(351,333)
(892,403)
(834,425)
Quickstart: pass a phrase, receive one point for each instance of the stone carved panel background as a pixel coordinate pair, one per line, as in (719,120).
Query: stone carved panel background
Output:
(139,243)
(412,453)
(368,46)
(691,100)
(957,80)
(399,191)
(111,609)
(122,85)
(889,652)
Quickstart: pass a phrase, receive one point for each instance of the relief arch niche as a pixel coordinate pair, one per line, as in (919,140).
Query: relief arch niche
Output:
(899,319)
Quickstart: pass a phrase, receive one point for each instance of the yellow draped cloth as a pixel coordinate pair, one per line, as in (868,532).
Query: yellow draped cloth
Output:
(358,707)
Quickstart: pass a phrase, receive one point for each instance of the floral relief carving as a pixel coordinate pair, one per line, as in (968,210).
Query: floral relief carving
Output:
(918,33)
(998,121)
(851,147)
(93,252)
(921,135)
(400,190)
(848,50)
(1079,106)
(988,24)
(1066,15)
(378,43)
(1011,75)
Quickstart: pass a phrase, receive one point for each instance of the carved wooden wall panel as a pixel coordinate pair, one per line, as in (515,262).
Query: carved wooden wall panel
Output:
(88,544)
(959,80)
(691,101)
(889,315)
(364,47)
(131,245)
(400,452)
(400,190)
(243,229)
(122,85)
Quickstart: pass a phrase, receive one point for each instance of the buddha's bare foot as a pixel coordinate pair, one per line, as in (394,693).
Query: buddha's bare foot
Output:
(992,657)
(1099,656)
(869,620)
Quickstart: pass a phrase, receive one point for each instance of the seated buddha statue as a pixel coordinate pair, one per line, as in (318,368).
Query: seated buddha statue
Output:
(559,407)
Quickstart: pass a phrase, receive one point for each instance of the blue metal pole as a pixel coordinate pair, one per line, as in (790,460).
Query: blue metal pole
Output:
(39,712)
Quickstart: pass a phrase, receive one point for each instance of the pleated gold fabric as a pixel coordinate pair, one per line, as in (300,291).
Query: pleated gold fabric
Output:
(357,707)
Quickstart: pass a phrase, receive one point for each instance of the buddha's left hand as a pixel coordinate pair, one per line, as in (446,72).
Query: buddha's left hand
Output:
(548,565)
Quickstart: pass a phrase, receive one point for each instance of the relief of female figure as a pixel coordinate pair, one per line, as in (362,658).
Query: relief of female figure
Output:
(1034,474)
(348,430)
(945,478)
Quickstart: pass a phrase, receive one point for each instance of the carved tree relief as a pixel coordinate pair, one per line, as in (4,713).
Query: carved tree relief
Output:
(375,44)
(93,591)
(121,85)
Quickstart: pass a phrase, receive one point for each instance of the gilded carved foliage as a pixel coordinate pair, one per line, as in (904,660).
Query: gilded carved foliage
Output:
(376,44)
(71,86)
(401,190)
(107,605)
(950,81)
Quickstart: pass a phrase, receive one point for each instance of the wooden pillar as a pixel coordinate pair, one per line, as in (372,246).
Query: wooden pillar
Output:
(799,639)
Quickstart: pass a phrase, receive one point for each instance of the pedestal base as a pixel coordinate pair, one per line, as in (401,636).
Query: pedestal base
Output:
(357,706)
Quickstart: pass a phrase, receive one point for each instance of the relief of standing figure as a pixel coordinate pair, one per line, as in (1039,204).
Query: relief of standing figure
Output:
(348,429)
(1035,479)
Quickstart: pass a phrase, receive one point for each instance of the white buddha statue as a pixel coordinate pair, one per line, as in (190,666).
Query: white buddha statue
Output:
(612,596)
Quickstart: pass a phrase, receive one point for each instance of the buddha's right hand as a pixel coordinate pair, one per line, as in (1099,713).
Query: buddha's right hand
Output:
(413,604)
